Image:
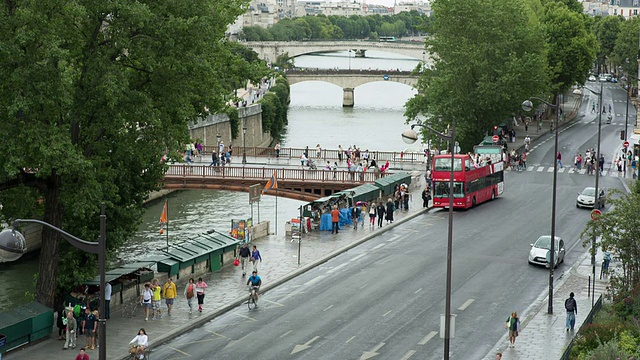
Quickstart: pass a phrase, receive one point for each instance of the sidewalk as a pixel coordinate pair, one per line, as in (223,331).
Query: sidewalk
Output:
(227,288)
(543,335)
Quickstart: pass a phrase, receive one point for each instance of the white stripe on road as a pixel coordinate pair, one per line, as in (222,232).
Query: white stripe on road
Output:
(314,280)
(550,169)
(393,238)
(417,291)
(330,306)
(285,334)
(387,313)
(378,246)
(427,338)
(336,268)
(351,338)
(541,169)
(561,170)
(408,355)
(358,257)
(466,304)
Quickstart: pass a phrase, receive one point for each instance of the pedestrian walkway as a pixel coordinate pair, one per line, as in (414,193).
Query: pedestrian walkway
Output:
(571,171)
(227,287)
(543,335)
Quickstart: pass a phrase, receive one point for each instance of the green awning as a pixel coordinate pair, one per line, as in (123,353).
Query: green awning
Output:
(387,184)
(364,192)
(200,245)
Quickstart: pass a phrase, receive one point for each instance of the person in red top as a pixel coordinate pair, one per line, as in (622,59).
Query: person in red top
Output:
(335,218)
(82,355)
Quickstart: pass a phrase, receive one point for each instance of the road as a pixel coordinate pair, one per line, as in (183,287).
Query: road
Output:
(384,298)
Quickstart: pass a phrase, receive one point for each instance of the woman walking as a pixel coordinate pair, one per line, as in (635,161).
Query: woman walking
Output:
(189,293)
(390,209)
(381,211)
(255,257)
(513,325)
(201,286)
(372,215)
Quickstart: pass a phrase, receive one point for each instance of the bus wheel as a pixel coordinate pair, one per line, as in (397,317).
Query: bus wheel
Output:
(473,202)
(493,195)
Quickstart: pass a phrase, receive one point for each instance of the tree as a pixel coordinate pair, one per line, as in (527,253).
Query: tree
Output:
(93,93)
(607,29)
(571,46)
(488,57)
(626,48)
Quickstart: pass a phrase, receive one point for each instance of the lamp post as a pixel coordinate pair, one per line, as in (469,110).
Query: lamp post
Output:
(596,203)
(12,246)
(349,59)
(244,145)
(409,136)
(527,105)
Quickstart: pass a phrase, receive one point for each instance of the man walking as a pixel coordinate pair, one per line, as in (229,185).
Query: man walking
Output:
(244,258)
(169,292)
(335,218)
(572,310)
(559,159)
(107,301)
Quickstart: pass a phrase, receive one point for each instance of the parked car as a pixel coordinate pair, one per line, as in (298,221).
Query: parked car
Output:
(602,78)
(592,78)
(587,198)
(540,249)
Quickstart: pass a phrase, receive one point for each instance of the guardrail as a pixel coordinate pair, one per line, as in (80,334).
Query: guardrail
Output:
(594,310)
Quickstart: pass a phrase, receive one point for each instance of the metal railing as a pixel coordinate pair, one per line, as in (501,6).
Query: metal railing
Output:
(594,310)
(265,173)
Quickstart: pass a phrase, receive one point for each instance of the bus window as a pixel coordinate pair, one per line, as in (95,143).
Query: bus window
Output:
(444,164)
(441,189)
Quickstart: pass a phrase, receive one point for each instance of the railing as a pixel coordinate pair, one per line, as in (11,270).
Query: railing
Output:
(594,310)
(264,173)
(325,154)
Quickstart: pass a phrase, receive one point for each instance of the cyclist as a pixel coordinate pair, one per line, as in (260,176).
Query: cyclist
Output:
(139,344)
(255,281)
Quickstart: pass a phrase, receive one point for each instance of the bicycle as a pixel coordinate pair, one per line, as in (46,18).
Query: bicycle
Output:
(133,356)
(253,297)
(130,309)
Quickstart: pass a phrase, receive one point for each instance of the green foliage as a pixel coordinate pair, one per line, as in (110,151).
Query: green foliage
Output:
(283,61)
(489,56)
(274,107)
(607,351)
(334,27)
(593,335)
(606,29)
(571,47)
(93,93)
(234,120)
(626,48)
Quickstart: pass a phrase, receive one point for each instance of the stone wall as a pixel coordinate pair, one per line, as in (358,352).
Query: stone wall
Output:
(209,128)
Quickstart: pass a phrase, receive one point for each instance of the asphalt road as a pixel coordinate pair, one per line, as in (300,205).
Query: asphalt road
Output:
(384,298)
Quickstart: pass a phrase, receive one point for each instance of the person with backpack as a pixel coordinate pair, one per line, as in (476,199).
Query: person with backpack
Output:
(190,293)
(355,215)
(572,310)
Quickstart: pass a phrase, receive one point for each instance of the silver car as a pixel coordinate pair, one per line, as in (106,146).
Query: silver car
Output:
(540,250)
(587,198)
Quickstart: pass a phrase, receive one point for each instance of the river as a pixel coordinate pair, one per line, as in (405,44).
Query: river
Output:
(316,116)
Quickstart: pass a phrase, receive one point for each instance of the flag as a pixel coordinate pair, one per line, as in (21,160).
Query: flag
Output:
(163,218)
(271,184)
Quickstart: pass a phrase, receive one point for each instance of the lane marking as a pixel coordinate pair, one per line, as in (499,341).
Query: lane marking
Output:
(178,350)
(369,354)
(378,246)
(393,238)
(408,355)
(285,334)
(273,302)
(314,280)
(351,338)
(216,334)
(541,169)
(427,338)
(336,268)
(330,306)
(358,257)
(417,291)
(304,346)
(245,316)
(469,302)
(550,169)
(363,286)
(561,170)
(389,312)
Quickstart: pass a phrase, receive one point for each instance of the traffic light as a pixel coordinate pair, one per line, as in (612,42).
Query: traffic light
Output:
(622,135)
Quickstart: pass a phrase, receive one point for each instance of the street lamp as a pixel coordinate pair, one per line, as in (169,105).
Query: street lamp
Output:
(349,59)
(409,136)
(13,245)
(244,145)
(527,105)
(596,203)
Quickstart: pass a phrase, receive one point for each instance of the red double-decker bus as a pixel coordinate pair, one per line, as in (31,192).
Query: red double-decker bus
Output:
(471,185)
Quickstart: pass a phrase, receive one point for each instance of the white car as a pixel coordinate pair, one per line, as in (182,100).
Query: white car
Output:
(587,198)
(540,249)
(592,78)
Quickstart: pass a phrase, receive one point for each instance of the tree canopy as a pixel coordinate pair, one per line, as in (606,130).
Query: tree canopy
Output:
(92,93)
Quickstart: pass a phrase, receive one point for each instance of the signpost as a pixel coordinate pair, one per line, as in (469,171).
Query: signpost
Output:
(495,138)
(255,192)
(595,214)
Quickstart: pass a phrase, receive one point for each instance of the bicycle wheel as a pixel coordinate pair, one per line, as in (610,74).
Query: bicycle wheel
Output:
(251,303)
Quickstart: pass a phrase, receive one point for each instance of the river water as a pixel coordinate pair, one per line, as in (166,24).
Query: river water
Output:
(316,116)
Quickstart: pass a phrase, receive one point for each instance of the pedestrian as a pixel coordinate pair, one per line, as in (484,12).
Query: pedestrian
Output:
(156,289)
(256,258)
(523,160)
(169,292)
(227,156)
(277,149)
(318,151)
(619,163)
(381,210)
(214,158)
(89,328)
(303,159)
(335,219)
(60,321)
(372,215)
(405,198)
(340,152)
(82,355)
(390,209)
(244,255)
(426,196)
(107,300)
(513,325)
(572,310)
(355,216)
(601,163)
(190,293)
(559,159)
(145,300)
(499,356)
(72,326)
(201,287)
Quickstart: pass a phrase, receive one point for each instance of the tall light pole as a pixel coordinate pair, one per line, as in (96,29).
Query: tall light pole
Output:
(527,105)
(244,145)
(349,59)
(12,243)
(409,136)
(596,203)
